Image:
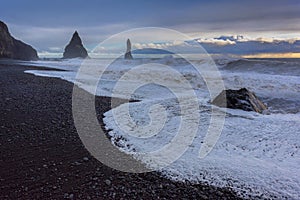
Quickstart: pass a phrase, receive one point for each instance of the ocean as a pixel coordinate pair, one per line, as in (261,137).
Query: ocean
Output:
(254,154)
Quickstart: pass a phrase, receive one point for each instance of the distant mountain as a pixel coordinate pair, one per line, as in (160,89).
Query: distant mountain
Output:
(14,49)
(75,48)
(151,51)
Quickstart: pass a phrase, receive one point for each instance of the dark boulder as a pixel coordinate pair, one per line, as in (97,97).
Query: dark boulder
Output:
(128,51)
(239,99)
(75,48)
(14,49)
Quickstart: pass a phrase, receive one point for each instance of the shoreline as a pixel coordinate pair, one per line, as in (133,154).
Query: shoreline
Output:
(42,155)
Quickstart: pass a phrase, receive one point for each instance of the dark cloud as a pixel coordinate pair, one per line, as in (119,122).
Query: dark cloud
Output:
(253,47)
(49,24)
(235,15)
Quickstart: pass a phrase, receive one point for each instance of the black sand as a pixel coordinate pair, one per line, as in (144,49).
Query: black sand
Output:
(42,156)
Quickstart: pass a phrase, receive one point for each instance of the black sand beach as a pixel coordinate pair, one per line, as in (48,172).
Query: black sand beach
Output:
(42,156)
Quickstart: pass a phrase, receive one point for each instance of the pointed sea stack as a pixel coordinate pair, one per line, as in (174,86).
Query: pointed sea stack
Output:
(128,51)
(14,49)
(75,48)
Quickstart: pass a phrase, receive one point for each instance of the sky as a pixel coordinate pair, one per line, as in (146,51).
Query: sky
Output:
(48,25)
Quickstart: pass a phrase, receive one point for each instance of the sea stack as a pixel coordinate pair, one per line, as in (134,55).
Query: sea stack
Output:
(240,99)
(14,49)
(75,48)
(128,55)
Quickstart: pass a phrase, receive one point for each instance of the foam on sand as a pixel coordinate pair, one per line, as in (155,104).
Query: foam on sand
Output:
(255,155)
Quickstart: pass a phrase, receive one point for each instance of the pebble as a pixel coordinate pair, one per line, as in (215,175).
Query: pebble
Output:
(107,182)
(77,163)
(86,159)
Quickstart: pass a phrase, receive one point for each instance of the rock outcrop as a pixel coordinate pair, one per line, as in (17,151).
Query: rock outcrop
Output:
(128,51)
(75,48)
(239,99)
(14,49)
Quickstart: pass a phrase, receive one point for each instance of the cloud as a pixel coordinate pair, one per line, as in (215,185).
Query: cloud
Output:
(161,45)
(243,45)
(47,54)
(218,42)
(55,38)
(234,16)
(48,26)
(56,49)
(52,40)
(277,40)
(236,44)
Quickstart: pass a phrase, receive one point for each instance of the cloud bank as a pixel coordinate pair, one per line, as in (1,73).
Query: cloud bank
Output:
(237,44)
(48,25)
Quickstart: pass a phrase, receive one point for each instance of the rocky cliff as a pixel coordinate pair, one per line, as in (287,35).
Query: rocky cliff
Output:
(75,48)
(14,49)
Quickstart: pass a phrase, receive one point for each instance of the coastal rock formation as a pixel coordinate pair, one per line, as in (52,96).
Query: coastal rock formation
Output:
(75,48)
(128,50)
(14,49)
(239,99)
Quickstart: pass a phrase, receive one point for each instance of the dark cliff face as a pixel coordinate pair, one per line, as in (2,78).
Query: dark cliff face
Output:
(14,49)
(75,48)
